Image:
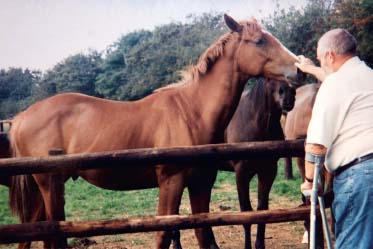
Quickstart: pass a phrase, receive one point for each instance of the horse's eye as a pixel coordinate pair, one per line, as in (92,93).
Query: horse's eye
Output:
(259,41)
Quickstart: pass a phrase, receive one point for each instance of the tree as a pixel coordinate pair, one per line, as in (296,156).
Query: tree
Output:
(76,73)
(16,89)
(299,30)
(357,17)
(143,61)
(113,67)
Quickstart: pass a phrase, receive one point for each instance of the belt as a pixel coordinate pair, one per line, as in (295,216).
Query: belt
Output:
(352,163)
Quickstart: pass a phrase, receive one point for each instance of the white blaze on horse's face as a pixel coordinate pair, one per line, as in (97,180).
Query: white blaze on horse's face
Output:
(268,57)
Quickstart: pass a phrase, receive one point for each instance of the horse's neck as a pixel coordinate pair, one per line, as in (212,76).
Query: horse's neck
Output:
(263,116)
(216,95)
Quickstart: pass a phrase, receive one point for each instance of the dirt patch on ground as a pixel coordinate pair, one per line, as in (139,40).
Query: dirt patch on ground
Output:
(280,235)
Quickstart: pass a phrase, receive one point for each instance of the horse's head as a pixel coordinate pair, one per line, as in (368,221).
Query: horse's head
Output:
(283,96)
(260,53)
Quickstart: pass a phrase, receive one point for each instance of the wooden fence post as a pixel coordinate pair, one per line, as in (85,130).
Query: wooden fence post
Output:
(57,187)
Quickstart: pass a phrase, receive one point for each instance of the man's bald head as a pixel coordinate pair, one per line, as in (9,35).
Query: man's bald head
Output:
(338,41)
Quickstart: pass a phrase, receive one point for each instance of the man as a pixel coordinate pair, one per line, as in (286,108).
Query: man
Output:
(341,128)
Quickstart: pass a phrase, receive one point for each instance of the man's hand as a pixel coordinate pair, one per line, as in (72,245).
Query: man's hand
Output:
(307,66)
(306,188)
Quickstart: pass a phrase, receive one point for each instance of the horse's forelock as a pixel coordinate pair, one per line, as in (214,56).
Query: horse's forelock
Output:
(252,30)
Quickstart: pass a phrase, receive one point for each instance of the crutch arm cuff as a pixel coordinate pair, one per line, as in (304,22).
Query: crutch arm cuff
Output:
(314,158)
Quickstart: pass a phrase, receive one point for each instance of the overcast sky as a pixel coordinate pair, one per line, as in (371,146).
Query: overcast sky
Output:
(40,33)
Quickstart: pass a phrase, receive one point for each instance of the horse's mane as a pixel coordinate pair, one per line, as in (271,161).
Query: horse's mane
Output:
(211,55)
(204,64)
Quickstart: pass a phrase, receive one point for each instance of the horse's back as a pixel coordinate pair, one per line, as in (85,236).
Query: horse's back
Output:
(71,122)
(78,123)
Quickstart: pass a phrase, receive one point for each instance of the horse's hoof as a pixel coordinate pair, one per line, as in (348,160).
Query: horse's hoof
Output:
(260,246)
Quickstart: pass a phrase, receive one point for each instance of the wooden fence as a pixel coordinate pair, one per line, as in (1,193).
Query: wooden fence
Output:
(204,155)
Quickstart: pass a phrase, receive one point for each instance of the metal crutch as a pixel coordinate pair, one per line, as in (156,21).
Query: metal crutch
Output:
(318,161)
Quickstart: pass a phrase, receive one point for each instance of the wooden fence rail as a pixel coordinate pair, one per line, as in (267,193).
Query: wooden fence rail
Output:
(46,230)
(142,157)
(152,156)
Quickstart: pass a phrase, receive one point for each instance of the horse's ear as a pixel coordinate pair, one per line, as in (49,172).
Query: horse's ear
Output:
(232,24)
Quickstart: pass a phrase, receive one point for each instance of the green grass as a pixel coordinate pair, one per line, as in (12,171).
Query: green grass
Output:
(287,188)
(87,202)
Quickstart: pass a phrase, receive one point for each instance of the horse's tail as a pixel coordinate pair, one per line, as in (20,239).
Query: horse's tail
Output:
(23,196)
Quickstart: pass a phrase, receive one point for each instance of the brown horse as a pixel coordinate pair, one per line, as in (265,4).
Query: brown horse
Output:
(192,112)
(296,126)
(257,118)
(297,120)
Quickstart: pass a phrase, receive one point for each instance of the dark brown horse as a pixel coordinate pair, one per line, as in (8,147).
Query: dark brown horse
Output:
(4,153)
(192,112)
(257,118)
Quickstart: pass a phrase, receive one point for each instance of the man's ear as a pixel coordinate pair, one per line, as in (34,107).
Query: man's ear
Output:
(331,55)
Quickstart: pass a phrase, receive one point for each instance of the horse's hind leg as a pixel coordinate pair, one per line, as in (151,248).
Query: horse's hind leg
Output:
(243,177)
(300,164)
(265,180)
(200,195)
(51,187)
(37,214)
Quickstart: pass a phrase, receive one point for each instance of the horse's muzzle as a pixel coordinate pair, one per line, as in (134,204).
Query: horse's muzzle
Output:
(297,79)
(287,108)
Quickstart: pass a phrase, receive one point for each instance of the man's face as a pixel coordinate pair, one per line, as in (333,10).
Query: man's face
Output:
(324,59)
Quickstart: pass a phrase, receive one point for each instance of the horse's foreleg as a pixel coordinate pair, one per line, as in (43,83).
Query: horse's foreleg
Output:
(52,188)
(199,200)
(265,181)
(176,244)
(243,177)
(171,188)
(288,168)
